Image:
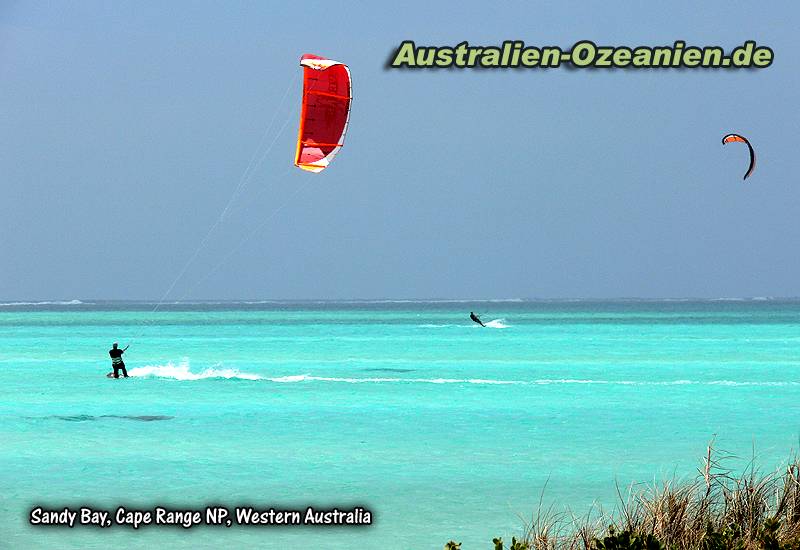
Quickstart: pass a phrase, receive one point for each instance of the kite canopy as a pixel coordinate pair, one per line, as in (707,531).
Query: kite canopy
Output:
(327,94)
(730,138)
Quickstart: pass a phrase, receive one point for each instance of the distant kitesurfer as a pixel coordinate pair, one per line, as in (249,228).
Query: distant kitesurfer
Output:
(475,318)
(116,360)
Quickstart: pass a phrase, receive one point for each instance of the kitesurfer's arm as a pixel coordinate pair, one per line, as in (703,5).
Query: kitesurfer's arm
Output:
(126,347)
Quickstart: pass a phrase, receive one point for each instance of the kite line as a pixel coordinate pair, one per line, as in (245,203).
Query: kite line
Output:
(255,161)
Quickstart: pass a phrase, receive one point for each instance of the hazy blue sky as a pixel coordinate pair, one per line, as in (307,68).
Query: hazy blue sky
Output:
(126,126)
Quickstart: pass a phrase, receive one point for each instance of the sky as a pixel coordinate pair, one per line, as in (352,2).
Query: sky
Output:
(126,127)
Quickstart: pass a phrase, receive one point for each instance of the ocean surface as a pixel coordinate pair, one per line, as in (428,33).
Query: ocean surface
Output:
(442,429)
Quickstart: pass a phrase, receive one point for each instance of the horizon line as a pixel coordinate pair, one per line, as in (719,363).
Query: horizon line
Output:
(87,301)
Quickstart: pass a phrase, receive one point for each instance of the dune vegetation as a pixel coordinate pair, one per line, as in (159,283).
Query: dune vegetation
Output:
(715,510)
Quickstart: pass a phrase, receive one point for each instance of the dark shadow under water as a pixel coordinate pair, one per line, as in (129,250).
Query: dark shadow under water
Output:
(89,417)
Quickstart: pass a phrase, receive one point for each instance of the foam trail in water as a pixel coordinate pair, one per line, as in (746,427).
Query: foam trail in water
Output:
(182,372)
(541,382)
(497,323)
(292,378)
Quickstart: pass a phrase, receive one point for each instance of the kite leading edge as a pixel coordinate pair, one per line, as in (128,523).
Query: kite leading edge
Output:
(736,137)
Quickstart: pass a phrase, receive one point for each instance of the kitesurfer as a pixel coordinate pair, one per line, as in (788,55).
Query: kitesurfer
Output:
(475,318)
(116,360)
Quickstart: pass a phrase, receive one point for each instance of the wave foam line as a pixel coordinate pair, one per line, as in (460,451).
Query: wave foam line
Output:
(310,378)
(183,372)
(495,323)
(48,303)
(541,382)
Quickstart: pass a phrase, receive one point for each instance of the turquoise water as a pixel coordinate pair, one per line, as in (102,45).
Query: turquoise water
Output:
(441,428)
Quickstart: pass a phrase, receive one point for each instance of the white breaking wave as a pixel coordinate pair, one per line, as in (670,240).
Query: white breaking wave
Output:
(47,303)
(182,372)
